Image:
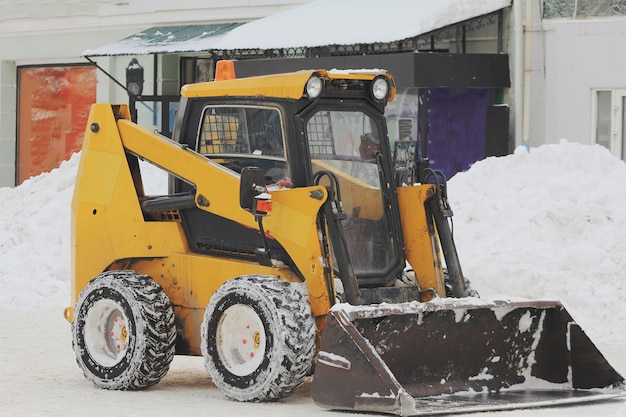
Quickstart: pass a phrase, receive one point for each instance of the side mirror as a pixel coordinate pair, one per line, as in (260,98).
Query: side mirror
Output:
(251,179)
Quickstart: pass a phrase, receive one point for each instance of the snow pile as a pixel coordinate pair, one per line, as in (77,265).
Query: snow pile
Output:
(35,239)
(548,222)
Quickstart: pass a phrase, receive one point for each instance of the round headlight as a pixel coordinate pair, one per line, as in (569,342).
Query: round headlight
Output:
(314,86)
(380,88)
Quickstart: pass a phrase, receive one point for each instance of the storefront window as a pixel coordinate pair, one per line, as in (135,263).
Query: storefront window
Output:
(54,103)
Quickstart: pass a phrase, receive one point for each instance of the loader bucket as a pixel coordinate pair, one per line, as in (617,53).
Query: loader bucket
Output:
(458,355)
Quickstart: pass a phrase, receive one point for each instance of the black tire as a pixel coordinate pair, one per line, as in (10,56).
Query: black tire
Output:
(123,331)
(258,338)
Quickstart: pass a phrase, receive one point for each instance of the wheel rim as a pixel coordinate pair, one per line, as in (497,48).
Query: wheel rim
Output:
(106,332)
(241,340)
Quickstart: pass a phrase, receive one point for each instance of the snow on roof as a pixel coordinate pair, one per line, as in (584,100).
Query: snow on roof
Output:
(318,23)
(344,22)
(166,39)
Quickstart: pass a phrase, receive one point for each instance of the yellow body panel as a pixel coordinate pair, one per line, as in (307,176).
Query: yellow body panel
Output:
(293,223)
(103,228)
(279,86)
(109,230)
(190,279)
(421,245)
(289,85)
(355,192)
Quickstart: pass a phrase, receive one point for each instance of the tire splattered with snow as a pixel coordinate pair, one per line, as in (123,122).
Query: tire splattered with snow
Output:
(123,331)
(258,338)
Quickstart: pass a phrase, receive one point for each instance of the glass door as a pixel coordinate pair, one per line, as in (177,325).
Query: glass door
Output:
(610,120)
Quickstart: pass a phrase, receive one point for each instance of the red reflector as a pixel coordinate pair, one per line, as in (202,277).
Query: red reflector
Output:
(264,205)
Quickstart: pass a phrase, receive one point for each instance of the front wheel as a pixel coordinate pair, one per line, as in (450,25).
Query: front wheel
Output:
(123,333)
(258,338)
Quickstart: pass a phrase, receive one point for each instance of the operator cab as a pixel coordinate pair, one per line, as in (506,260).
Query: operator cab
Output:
(328,130)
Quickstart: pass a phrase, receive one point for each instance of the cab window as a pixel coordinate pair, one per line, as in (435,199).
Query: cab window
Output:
(241,136)
(241,130)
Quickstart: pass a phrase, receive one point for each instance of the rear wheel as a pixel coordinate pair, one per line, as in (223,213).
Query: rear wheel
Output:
(258,338)
(123,332)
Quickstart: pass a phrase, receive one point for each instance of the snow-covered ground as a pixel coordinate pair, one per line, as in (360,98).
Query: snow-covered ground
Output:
(546,222)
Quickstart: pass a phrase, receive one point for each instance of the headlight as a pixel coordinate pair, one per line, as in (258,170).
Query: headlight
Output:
(314,86)
(380,88)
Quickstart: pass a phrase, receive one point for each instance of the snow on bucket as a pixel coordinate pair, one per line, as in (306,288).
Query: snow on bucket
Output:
(458,355)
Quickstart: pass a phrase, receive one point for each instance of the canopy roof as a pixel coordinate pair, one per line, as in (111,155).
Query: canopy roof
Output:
(345,22)
(164,39)
(315,24)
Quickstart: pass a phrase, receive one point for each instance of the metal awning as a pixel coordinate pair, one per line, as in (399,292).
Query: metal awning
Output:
(347,22)
(314,24)
(167,39)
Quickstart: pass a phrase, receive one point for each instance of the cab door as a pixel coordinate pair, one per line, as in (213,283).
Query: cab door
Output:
(352,145)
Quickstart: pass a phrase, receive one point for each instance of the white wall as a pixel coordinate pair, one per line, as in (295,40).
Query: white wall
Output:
(41,16)
(580,55)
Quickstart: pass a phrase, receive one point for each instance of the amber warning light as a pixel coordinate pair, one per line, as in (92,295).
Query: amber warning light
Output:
(225,70)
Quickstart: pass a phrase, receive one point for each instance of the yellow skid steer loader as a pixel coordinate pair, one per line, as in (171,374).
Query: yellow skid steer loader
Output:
(287,244)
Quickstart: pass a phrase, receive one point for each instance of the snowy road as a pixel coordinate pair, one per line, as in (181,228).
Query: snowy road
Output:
(39,377)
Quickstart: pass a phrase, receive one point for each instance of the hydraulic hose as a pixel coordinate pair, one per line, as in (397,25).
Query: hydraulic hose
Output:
(333,211)
(441,211)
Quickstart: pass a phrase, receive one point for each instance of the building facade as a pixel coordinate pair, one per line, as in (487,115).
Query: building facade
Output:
(577,73)
(46,84)
(563,61)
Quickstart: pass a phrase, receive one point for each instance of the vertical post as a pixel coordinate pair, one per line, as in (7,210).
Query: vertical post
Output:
(155,71)
(500,30)
(132,106)
(165,117)
(422,133)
